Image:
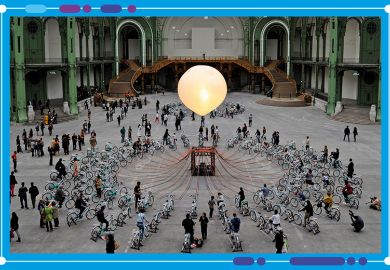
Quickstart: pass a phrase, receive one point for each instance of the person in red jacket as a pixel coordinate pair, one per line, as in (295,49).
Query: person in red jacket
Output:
(347,190)
(14,160)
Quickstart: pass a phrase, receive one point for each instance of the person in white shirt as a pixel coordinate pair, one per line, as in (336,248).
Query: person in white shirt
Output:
(139,130)
(220,199)
(141,222)
(275,219)
(174,138)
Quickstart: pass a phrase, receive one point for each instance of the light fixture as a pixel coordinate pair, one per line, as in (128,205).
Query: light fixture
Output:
(221,34)
(185,34)
(177,30)
(355,73)
(173,27)
(52,72)
(202,89)
(227,31)
(231,27)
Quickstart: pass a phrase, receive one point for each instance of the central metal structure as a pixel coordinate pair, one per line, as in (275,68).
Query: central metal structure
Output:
(203,161)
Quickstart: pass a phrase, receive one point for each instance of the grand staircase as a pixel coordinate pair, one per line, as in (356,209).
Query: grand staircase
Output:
(282,85)
(124,83)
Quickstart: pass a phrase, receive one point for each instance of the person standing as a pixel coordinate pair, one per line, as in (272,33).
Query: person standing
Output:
(33,190)
(188,225)
(346,133)
(123,134)
(250,120)
(75,168)
(89,126)
(13,182)
(15,225)
(15,161)
(50,128)
(110,245)
(242,196)
(355,133)
(211,206)
(279,241)
(119,120)
(42,128)
(55,214)
(137,194)
(235,223)
(307,143)
(98,186)
(203,225)
(129,131)
(40,207)
(48,213)
(23,196)
(74,141)
(351,168)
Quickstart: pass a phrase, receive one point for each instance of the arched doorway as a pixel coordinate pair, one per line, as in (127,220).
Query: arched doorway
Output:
(130,36)
(275,43)
(352,42)
(279,33)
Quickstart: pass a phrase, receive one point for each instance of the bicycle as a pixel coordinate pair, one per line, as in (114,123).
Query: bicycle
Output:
(186,244)
(333,211)
(99,229)
(74,217)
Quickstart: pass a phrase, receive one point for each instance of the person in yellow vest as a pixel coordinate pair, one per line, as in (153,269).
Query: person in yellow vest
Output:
(48,216)
(98,186)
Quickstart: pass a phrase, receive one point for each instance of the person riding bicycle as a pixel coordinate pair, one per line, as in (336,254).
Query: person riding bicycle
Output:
(347,190)
(335,156)
(59,196)
(80,204)
(220,200)
(325,179)
(60,167)
(375,203)
(141,223)
(308,212)
(328,201)
(100,217)
(309,178)
(275,219)
(264,192)
(235,223)
(357,222)
(242,196)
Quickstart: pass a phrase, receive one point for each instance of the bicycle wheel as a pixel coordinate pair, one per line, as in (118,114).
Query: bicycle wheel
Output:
(113,224)
(237,202)
(68,176)
(256,199)
(146,231)
(281,188)
(47,196)
(123,162)
(115,168)
(123,190)
(95,233)
(267,227)
(49,186)
(129,212)
(252,215)
(285,166)
(95,198)
(110,204)
(357,192)
(329,188)
(354,202)
(140,154)
(336,172)
(317,209)
(174,147)
(91,213)
(294,202)
(335,213)
(358,181)
(69,204)
(151,200)
(339,190)
(271,195)
(306,193)
(289,215)
(283,182)
(71,218)
(88,190)
(162,149)
(269,157)
(337,199)
(314,227)
(280,162)
(122,202)
(297,219)
(53,176)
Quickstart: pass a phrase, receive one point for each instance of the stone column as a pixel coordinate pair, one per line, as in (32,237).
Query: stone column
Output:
(19,71)
(332,84)
(71,55)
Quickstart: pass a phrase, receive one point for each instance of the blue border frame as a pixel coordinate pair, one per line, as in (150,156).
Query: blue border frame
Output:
(193,8)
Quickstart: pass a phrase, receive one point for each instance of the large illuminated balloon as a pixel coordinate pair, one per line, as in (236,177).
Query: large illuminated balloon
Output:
(202,89)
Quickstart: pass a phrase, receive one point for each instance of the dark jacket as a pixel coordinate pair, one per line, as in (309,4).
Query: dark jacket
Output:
(203,221)
(22,192)
(15,223)
(235,224)
(188,225)
(33,191)
(13,180)
(110,247)
(279,241)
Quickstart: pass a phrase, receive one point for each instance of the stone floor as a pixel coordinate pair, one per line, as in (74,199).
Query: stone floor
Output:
(165,174)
